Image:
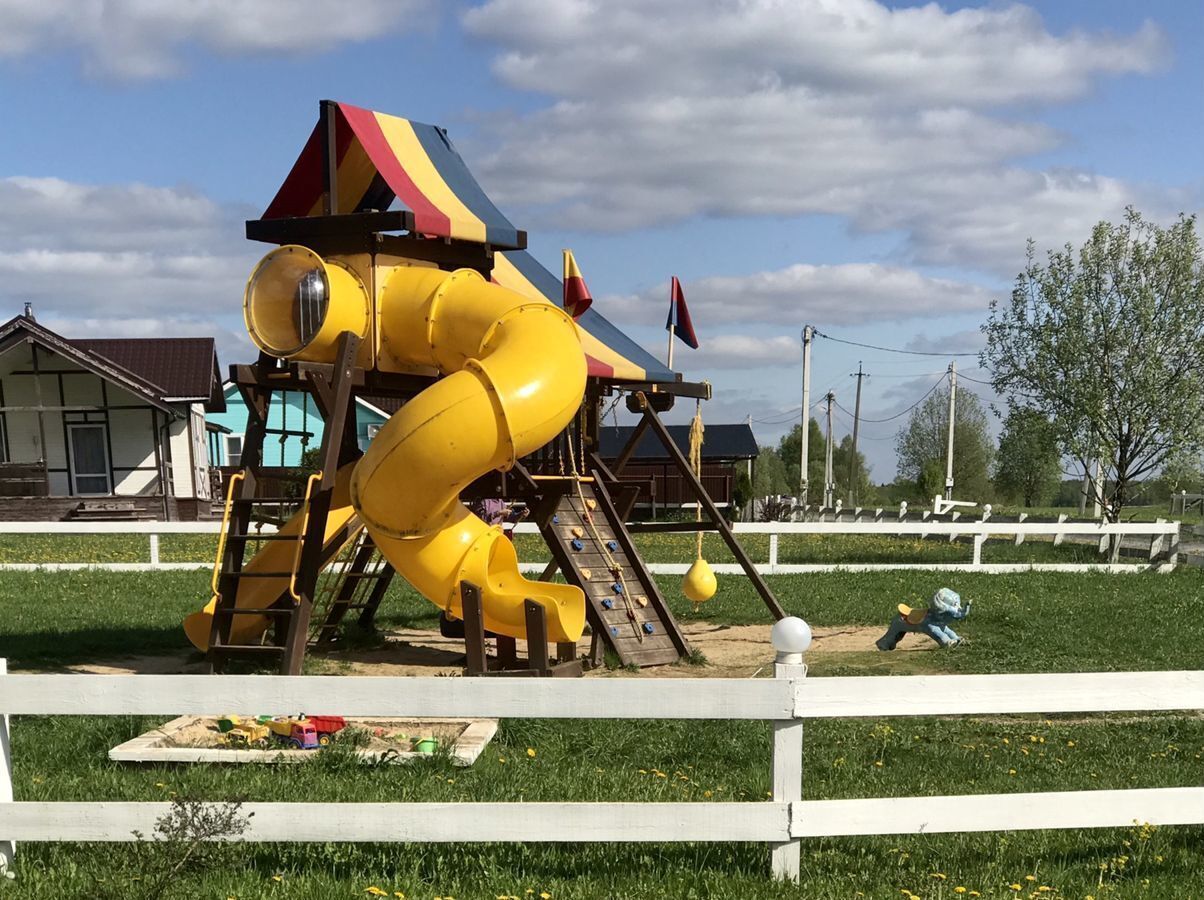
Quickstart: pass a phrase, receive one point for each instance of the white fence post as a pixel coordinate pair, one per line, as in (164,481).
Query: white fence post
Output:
(154,550)
(1059,537)
(791,637)
(1020,534)
(953,517)
(1156,543)
(1173,557)
(979,540)
(7,848)
(773,553)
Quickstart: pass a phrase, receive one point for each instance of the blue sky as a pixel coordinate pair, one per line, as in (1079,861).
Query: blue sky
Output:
(872,169)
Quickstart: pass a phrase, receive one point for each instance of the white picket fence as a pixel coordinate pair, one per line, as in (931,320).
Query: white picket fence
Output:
(786,701)
(1163,540)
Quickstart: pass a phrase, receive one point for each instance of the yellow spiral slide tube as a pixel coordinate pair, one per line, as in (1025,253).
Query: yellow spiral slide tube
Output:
(515,377)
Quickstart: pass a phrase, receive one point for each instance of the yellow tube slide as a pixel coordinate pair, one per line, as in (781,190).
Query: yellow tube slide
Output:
(276,556)
(515,379)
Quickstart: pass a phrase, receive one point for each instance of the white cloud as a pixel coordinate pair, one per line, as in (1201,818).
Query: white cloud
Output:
(138,39)
(897,119)
(852,293)
(124,260)
(738,351)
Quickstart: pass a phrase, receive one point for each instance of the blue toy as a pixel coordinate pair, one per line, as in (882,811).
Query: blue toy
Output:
(934,621)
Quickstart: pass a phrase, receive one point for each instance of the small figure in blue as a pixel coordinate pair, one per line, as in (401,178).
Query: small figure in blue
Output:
(933,621)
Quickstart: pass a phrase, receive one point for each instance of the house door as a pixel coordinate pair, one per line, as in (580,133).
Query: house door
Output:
(89,460)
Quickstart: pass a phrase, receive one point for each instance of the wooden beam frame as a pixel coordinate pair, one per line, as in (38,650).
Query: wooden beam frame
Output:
(717,521)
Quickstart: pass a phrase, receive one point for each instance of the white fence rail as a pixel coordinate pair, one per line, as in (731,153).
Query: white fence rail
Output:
(786,701)
(1163,539)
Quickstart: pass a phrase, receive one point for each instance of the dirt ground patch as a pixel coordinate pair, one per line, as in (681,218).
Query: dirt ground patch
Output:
(731,651)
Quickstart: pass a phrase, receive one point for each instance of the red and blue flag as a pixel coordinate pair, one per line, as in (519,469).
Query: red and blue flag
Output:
(679,316)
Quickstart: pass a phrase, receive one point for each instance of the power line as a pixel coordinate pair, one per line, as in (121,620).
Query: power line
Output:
(819,333)
(931,390)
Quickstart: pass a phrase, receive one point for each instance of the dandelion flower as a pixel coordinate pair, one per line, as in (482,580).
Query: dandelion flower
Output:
(531,752)
(277,877)
(502,760)
(544,895)
(1014,886)
(959,890)
(400,895)
(1030,877)
(712,794)
(374,891)
(1011,771)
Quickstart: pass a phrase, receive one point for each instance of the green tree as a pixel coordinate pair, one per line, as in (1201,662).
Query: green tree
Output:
(769,475)
(922,443)
(1027,466)
(790,451)
(1108,342)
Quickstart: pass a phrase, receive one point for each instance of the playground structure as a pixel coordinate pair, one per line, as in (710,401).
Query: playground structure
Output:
(439,307)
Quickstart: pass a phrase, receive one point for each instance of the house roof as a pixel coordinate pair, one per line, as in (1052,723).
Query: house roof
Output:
(720,442)
(116,370)
(183,368)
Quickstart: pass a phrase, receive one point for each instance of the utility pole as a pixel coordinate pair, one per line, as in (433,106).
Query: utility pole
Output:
(829,483)
(856,424)
(952,416)
(806,418)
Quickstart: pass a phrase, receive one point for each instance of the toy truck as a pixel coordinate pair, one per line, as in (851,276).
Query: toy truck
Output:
(300,733)
(247,735)
(327,727)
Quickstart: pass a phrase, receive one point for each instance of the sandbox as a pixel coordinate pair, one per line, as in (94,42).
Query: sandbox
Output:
(196,739)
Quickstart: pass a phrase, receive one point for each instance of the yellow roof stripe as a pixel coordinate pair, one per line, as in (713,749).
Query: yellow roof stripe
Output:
(406,146)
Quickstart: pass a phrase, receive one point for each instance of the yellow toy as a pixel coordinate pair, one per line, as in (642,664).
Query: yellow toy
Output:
(699,584)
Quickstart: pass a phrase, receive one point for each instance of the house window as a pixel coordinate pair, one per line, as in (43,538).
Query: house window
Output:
(372,430)
(88,444)
(233,449)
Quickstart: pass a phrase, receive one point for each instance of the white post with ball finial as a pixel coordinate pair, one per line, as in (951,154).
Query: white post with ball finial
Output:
(791,637)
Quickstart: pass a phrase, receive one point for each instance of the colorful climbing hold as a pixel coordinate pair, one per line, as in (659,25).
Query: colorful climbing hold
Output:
(577,545)
(649,628)
(586,574)
(641,601)
(578,532)
(608,603)
(612,546)
(614,630)
(617,588)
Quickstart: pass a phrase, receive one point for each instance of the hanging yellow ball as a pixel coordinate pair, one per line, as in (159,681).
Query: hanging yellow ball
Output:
(699,584)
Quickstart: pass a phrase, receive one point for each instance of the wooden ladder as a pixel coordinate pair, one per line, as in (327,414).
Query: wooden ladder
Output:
(356,580)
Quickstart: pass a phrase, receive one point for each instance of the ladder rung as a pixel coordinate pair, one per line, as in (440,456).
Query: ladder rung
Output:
(297,500)
(239,611)
(248,648)
(264,537)
(261,574)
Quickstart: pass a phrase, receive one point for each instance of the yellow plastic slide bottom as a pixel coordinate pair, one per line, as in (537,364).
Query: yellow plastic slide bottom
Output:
(276,556)
(484,556)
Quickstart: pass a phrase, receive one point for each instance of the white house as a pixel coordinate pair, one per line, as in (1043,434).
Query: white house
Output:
(104,428)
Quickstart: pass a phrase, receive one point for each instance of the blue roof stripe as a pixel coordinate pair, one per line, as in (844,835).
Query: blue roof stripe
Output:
(451,167)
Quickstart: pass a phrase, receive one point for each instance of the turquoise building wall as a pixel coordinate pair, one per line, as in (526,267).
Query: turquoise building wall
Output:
(290,410)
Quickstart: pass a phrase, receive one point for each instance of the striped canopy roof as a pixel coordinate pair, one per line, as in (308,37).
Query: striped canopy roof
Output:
(380,158)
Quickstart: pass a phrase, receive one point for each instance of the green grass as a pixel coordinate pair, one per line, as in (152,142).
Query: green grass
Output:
(1034,622)
(661,548)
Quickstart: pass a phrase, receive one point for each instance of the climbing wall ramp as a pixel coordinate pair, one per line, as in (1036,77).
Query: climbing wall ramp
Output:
(624,606)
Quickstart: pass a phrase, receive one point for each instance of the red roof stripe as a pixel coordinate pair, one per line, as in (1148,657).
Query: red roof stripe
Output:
(427,217)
